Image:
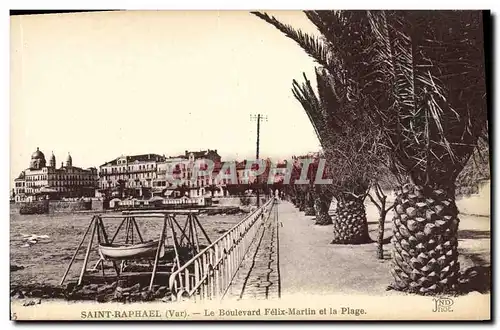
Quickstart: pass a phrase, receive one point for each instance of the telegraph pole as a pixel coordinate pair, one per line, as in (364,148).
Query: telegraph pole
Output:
(259,117)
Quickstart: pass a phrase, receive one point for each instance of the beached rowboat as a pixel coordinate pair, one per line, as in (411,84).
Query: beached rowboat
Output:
(137,251)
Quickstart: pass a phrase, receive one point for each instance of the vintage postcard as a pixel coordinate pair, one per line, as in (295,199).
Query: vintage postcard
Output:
(235,165)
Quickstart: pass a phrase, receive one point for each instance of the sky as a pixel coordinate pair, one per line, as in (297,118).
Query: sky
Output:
(101,85)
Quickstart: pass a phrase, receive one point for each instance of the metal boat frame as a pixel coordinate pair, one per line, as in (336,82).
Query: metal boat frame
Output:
(180,237)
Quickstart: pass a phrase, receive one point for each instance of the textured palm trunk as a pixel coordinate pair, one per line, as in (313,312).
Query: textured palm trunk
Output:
(425,256)
(309,209)
(350,225)
(322,205)
(302,202)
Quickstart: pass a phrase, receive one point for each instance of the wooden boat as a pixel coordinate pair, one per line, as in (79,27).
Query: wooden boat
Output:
(136,251)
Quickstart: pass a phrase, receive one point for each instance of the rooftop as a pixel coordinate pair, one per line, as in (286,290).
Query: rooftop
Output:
(137,158)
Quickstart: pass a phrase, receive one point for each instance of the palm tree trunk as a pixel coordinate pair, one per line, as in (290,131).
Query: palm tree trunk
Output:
(322,205)
(309,209)
(425,256)
(350,225)
(302,201)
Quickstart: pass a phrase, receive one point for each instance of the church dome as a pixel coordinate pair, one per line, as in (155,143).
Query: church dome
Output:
(38,154)
(37,160)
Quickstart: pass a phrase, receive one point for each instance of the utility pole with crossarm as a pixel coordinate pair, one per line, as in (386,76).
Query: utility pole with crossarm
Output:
(258,118)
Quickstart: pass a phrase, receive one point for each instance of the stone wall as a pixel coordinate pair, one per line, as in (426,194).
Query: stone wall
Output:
(14,207)
(69,206)
(37,207)
(236,200)
(99,205)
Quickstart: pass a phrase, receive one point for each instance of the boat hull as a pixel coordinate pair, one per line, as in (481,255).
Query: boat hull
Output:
(126,252)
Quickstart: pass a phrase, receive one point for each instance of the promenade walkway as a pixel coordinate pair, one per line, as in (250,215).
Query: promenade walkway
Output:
(291,255)
(258,275)
(310,264)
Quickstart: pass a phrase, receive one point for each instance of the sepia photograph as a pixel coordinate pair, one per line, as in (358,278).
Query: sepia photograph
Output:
(250,165)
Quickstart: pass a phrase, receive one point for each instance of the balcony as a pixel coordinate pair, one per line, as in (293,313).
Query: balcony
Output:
(150,170)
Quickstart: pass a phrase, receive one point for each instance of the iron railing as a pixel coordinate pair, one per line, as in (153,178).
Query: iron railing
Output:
(209,274)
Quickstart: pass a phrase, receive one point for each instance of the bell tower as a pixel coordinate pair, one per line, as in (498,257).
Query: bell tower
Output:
(69,161)
(52,162)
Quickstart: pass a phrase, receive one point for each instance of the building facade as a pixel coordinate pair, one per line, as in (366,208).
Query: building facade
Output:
(273,172)
(152,174)
(129,175)
(181,171)
(42,181)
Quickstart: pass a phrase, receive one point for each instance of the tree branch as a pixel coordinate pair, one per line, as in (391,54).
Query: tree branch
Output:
(375,202)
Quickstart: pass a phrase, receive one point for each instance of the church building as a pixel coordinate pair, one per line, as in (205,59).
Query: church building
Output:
(42,181)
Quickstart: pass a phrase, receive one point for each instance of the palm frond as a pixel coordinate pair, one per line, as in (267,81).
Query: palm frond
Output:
(304,93)
(314,46)
(413,54)
(418,76)
(349,145)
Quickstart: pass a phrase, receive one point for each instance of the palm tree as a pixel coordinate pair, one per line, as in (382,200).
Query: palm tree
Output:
(311,195)
(322,194)
(302,197)
(292,189)
(309,209)
(313,199)
(349,145)
(322,204)
(436,83)
(421,76)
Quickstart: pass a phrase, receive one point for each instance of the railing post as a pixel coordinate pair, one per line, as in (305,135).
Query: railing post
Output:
(231,256)
(197,276)
(205,273)
(217,270)
(226,262)
(187,280)
(216,266)
(212,273)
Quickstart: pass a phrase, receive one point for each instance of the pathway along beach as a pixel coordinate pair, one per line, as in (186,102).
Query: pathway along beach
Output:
(308,265)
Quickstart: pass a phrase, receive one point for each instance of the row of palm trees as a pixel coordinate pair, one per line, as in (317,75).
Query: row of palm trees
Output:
(399,92)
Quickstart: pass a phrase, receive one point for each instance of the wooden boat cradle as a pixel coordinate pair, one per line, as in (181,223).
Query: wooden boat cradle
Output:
(182,238)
